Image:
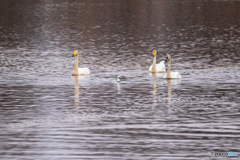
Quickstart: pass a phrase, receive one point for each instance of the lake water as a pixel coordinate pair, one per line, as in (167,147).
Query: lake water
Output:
(48,114)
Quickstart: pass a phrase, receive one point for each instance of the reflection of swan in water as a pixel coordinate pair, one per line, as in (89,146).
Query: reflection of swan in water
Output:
(76,92)
(119,88)
(169,73)
(156,74)
(78,71)
(169,95)
(118,81)
(164,82)
(157,68)
(154,92)
(174,82)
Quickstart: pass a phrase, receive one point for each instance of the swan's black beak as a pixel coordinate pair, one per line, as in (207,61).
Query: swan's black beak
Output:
(72,55)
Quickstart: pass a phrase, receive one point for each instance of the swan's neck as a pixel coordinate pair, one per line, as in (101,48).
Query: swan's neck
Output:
(75,69)
(154,64)
(76,62)
(169,70)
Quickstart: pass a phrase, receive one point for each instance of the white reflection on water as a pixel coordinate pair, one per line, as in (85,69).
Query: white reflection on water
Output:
(119,88)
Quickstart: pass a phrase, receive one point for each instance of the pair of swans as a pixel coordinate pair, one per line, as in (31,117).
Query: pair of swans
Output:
(160,68)
(154,68)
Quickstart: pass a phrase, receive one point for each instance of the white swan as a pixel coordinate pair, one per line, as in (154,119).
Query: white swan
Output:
(157,68)
(118,78)
(78,71)
(169,73)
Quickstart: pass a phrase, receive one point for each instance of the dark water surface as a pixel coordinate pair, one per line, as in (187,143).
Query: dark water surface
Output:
(45,113)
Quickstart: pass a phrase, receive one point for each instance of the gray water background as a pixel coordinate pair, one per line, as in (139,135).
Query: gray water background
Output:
(45,113)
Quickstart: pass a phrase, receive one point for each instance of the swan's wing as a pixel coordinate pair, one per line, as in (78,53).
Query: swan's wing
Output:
(161,67)
(83,71)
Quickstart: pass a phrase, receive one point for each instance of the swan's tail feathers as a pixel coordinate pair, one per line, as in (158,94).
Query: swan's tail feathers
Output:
(161,67)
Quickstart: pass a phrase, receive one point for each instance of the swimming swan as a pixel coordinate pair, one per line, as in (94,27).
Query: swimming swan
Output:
(78,71)
(119,78)
(169,73)
(157,68)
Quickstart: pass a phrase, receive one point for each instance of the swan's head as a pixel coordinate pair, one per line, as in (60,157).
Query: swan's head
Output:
(168,58)
(75,53)
(154,53)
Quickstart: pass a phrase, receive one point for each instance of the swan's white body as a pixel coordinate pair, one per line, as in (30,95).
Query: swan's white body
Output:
(169,73)
(118,78)
(173,75)
(160,67)
(83,71)
(78,71)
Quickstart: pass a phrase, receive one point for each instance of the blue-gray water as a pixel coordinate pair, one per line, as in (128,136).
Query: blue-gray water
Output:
(45,113)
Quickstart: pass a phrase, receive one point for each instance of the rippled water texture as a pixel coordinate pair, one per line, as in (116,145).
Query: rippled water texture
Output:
(45,113)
